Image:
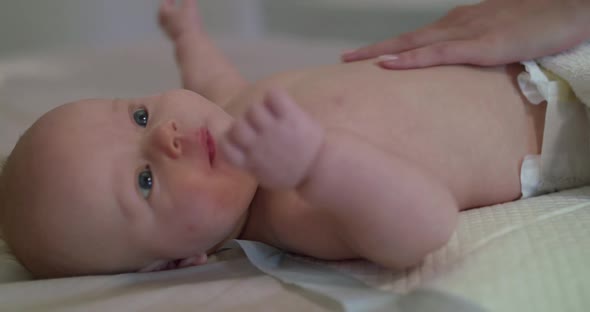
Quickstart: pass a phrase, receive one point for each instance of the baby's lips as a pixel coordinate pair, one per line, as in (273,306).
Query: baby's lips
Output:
(208,142)
(211,148)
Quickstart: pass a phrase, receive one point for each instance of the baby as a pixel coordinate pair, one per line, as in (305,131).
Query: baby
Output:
(337,162)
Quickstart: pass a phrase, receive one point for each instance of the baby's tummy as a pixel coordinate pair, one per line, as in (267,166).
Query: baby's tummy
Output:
(469,126)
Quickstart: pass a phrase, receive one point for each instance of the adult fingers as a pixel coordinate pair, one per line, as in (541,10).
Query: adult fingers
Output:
(404,42)
(440,53)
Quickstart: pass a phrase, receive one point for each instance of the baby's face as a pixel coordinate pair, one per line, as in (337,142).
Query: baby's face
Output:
(119,184)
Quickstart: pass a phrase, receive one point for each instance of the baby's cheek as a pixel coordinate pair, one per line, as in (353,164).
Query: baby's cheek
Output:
(193,213)
(187,229)
(197,205)
(191,228)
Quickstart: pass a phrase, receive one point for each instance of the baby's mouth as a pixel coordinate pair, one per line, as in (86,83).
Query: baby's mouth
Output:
(209,144)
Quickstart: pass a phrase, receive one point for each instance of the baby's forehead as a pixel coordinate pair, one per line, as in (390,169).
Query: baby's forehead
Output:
(84,107)
(75,130)
(63,162)
(80,115)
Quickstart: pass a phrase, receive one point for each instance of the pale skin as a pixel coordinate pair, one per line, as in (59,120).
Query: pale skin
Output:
(340,166)
(489,33)
(91,214)
(337,162)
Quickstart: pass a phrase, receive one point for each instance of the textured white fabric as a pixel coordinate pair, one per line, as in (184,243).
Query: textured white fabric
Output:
(574,67)
(565,157)
(529,255)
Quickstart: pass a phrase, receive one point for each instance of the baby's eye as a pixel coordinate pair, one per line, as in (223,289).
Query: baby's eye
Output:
(145,182)
(141,117)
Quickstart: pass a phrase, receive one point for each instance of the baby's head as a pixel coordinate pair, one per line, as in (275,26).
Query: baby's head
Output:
(110,186)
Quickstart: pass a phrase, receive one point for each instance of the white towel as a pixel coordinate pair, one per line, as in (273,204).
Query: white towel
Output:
(574,67)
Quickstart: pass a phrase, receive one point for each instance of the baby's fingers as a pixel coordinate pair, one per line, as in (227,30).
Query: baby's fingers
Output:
(166,11)
(167,7)
(233,153)
(238,141)
(189,4)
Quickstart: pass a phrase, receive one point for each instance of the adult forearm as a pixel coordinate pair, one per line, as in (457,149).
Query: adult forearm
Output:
(489,33)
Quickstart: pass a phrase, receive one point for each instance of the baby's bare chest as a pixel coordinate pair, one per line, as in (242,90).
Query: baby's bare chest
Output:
(357,102)
(449,120)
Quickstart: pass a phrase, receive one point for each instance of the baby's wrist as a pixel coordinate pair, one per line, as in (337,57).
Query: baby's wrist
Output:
(188,36)
(192,45)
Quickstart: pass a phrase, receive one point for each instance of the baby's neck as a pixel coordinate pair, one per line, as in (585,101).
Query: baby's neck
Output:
(253,226)
(241,228)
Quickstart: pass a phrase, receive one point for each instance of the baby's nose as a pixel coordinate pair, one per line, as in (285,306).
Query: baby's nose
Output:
(167,139)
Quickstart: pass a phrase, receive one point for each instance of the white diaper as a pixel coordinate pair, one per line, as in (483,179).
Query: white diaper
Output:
(565,156)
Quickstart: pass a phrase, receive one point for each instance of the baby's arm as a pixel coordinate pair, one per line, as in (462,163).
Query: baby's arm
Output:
(204,69)
(388,209)
(384,207)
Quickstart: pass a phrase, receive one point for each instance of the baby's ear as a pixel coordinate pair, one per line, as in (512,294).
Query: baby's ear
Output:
(163,265)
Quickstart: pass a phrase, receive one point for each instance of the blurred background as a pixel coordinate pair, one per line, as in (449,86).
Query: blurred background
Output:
(32,25)
(53,52)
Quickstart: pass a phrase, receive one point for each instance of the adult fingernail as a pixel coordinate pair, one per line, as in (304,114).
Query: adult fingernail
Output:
(387,58)
(348,54)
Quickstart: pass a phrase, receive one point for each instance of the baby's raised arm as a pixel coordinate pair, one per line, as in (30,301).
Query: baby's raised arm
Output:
(204,69)
(386,208)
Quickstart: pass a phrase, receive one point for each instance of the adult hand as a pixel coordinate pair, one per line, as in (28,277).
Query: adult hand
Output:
(493,32)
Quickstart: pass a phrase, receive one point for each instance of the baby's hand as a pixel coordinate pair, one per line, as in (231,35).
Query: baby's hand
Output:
(176,20)
(275,140)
